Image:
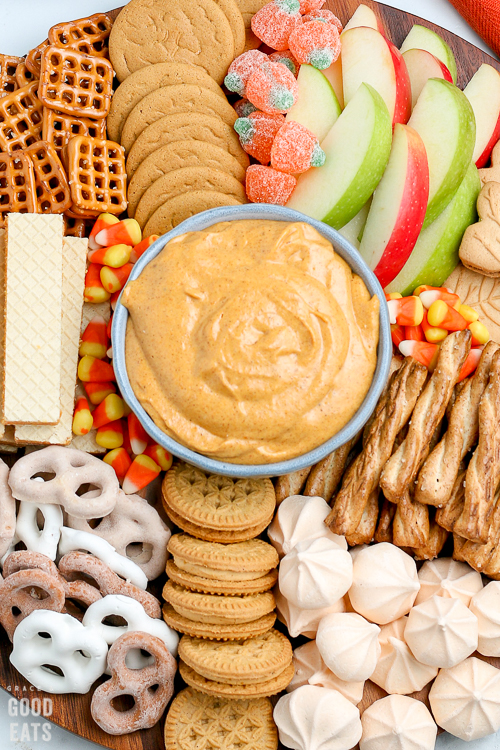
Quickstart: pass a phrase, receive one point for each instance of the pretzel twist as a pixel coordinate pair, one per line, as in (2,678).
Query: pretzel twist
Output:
(27,591)
(290,484)
(410,527)
(325,476)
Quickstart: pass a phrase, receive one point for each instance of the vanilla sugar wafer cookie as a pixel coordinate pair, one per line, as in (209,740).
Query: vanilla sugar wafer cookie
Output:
(33,315)
(227,632)
(243,561)
(73,281)
(222,690)
(197,721)
(239,662)
(211,535)
(217,610)
(212,586)
(3,239)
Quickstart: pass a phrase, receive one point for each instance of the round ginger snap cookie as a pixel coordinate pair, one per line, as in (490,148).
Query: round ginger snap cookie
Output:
(222,690)
(212,586)
(189,31)
(216,501)
(174,100)
(182,207)
(231,10)
(228,632)
(146,80)
(186,180)
(254,557)
(239,662)
(186,126)
(196,721)
(215,609)
(211,535)
(179,155)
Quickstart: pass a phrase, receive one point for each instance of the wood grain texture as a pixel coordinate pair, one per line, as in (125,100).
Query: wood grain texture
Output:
(73,711)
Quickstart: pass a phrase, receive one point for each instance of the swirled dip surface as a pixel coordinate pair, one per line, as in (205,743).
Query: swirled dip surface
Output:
(250,341)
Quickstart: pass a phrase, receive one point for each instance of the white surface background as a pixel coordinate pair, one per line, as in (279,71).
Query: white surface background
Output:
(23,24)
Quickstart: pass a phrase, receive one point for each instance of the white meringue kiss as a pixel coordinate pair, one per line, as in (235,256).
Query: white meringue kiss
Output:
(310,669)
(302,621)
(486,606)
(300,517)
(349,645)
(449,578)
(397,670)
(398,723)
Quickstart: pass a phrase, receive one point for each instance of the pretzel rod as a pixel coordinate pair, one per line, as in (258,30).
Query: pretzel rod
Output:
(435,543)
(458,545)
(437,475)
(483,472)
(448,515)
(325,476)
(363,475)
(365,531)
(290,484)
(410,527)
(401,469)
(396,362)
(384,526)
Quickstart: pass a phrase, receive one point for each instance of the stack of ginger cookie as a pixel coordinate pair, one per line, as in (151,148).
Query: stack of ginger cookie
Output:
(170,113)
(219,589)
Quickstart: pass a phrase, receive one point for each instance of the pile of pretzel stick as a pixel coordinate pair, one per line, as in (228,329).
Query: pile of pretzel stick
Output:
(425,470)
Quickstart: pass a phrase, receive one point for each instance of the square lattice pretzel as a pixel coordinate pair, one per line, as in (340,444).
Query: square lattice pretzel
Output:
(51,183)
(23,75)
(75,84)
(20,118)
(34,58)
(58,128)
(96,174)
(17,185)
(8,65)
(86,35)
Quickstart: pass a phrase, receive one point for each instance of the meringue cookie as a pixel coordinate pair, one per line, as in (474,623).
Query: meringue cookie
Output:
(315,573)
(398,723)
(314,718)
(465,699)
(302,621)
(397,670)
(486,606)
(385,583)
(349,645)
(298,518)
(441,632)
(449,578)
(310,669)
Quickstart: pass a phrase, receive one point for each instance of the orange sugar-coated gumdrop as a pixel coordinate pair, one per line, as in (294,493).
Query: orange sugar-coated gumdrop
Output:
(272,88)
(295,149)
(257,133)
(307,6)
(287,59)
(244,108)
(241,68)
(274,22)
(316,43)
(267,185)
(324,15)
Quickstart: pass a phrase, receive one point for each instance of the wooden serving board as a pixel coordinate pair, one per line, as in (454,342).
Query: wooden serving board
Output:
(72,712)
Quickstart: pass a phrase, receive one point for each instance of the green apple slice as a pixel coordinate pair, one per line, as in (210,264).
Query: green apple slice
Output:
(317,107)
(353,230)
(435,254)
(357,149)
(444,119)
(420,37)
(364,16)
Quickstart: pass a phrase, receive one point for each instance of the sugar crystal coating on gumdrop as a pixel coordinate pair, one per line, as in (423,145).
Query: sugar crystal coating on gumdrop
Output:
(307,6)
(316,43)
(272,88)
(324,15)
(257,132)
(287,59)
(274,22)
(267,185)
(295,149)
(241,68)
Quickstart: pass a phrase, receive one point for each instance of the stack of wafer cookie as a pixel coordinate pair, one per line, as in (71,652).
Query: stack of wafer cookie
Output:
(170,113)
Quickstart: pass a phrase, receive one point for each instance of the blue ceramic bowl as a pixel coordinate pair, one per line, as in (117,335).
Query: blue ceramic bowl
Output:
(348,253)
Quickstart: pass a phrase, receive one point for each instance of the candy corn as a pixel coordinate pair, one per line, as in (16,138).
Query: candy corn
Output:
(97,392)
(95,338)
(126,439)
(103,222)
(137,434)
(429,296)
(127,232)
(468,313)
(114,299)
(119,460)
(433,335)
(108,327)
(470,363)
(441,315)
(94,290)
(480,334)
(422,351)
(397,334)
(406,311)
(142,471)
(141,248)
(426,288)
(114,256)
(94,370)
(109,410)
(414,333)
(82,418)
(110,435)
(114,279)
(393,295)
(160,456)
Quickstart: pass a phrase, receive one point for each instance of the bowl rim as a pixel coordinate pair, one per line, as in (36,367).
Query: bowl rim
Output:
(384,349)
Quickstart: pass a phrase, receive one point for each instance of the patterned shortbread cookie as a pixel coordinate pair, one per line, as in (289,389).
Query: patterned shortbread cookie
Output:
(222,690)
(234,562)
(217,632)
(217,610)
(211,535)
(211,586)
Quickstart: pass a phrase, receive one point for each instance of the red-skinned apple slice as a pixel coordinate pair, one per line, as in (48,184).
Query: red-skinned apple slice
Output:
(421,66)
(398,207)
(368,57)
(483,92)
(420,37)
(364,16)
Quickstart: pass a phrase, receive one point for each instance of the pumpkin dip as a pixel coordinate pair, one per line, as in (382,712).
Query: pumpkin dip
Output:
(250,341)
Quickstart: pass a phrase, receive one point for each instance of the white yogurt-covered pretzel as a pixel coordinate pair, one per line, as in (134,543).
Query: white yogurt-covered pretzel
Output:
(7,511)
(43,540)
(135,530)
(73,470)
(79,653)
(84,542)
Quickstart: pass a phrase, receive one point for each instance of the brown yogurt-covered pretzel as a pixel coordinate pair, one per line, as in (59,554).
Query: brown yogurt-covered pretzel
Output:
(7,511)
(148,705)
(135,530)
(73,469)
(23,592)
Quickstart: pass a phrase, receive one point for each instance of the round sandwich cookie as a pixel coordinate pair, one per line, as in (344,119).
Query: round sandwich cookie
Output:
(217,610)
(221,689)
(214,632)
(229,587)
(235,562)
